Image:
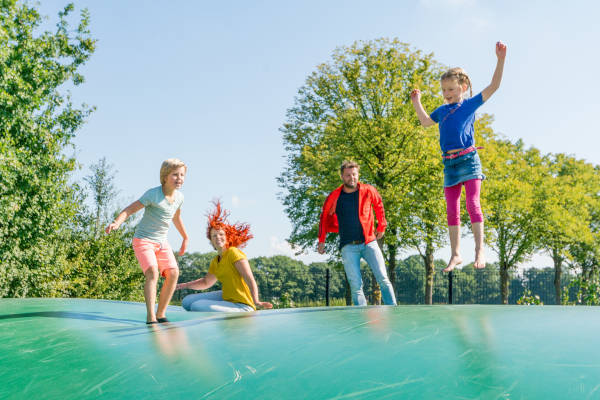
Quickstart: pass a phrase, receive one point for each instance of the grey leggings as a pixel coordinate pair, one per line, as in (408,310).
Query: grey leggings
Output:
(212,301)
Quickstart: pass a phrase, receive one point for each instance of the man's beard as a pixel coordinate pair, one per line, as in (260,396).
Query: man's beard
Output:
(349,187)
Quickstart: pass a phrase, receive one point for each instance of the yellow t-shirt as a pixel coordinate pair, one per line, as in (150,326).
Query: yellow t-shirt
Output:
(235,289)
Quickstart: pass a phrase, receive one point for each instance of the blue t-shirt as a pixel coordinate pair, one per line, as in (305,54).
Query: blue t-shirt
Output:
(456,123)
(158,213)
(346,210)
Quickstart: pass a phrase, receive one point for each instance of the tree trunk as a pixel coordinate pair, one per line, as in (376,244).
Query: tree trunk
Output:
(391,264)
(348,293)
(429,273)
(504,282)
(376,292)
(557,275)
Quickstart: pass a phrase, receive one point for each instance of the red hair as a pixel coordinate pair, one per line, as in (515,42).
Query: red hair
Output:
(237,234)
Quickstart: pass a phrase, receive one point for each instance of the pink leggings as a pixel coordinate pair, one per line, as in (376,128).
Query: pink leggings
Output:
(472,188)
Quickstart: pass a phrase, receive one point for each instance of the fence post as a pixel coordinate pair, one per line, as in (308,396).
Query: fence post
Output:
(327,287)
(450,276)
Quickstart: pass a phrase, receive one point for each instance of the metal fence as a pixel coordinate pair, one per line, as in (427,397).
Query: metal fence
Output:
(309,287)
(458,287)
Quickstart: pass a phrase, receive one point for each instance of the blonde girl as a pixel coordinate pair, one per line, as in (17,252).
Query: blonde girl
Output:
(462,166)
(162,205)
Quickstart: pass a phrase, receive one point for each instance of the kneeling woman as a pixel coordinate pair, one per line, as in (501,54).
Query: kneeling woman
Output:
(230,267)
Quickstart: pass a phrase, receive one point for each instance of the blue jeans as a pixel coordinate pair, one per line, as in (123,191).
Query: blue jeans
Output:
(212,301)
(351,255)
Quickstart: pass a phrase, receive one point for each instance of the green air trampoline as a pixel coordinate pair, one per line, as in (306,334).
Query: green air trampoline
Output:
(77,349)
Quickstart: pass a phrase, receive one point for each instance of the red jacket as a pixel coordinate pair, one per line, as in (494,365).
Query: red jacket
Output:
(367,197)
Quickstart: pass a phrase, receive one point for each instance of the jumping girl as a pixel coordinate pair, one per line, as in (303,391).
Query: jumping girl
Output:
(459,154)
(162,204)
(230,267)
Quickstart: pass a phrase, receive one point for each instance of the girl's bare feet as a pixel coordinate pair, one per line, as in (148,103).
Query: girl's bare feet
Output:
(454,261)
(479,259)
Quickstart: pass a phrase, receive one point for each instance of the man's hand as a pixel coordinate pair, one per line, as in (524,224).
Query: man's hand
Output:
(321,248)
(379,235)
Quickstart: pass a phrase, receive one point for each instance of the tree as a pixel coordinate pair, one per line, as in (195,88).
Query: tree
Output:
(357,107)
(427,230)
(585,254)
(567,203)
(98,265)
(37,123)
(101,184)
(511,203)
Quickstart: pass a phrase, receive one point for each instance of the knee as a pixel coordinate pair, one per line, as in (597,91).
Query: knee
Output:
(356,287)
(171,273)
(384,281)
(474,210)
(452,217)
(151,274)
(473,206)
(186,302)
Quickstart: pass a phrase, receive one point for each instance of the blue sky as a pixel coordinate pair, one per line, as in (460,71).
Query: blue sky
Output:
(210,83)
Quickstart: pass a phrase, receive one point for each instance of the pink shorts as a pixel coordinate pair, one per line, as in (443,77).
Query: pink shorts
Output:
(152,254)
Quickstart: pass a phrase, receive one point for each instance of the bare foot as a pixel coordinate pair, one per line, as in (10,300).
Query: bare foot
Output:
(479,259)
(454,261)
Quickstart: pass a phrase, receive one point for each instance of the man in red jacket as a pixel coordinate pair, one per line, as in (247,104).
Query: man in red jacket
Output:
(349,211)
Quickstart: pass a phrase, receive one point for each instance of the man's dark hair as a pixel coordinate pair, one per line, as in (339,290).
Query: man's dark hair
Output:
(348,164)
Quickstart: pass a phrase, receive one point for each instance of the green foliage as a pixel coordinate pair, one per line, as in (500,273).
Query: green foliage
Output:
(101,184)
(529,299)
(37,123)
(284,301)
(279,275)
(511,202)
(99,265)
(103,267)
(587,291)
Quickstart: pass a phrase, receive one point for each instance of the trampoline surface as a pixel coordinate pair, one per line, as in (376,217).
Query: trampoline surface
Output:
(76,348)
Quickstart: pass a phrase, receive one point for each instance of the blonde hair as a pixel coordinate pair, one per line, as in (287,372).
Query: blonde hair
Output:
(348,164)
(460,76)
(169,166)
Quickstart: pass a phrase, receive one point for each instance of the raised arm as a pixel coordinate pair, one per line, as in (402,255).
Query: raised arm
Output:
(199,284)
(178,222)
(497,78)
(424,118)
(123,215)
(243,268)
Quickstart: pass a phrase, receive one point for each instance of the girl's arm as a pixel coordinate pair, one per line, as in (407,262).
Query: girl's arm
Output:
(424,118)
(178,222)
(497,78)
(127,211)
(199,284)
(243,268)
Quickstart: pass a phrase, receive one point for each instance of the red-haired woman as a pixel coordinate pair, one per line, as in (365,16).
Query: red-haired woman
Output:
(230,267)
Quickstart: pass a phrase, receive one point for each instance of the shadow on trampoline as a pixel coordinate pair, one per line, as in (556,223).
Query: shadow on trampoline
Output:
(91,316)
(227,317)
